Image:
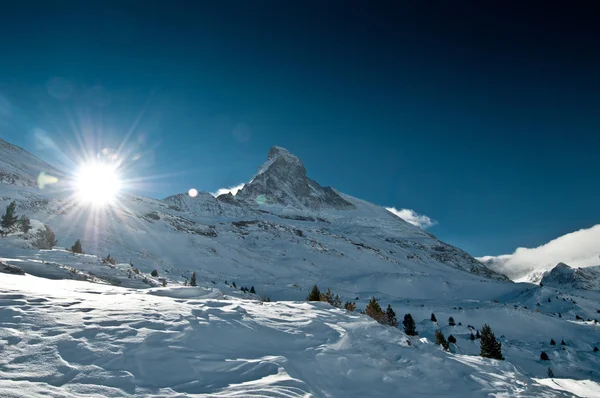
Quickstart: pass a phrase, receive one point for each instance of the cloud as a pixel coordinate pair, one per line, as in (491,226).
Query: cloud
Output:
(234,190)
(412,217)
(577,249)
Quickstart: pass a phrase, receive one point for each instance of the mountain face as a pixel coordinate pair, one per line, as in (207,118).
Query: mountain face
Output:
(282,180)
(282,232)
(21,169)
(563,276)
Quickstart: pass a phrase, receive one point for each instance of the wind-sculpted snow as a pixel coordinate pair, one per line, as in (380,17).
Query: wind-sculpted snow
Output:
(73,339)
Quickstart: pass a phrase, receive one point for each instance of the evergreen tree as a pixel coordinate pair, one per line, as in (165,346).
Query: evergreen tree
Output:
(374,311)
(472,336)
(9,219)
(391,316)
(440,339)
(109,260)
(451,321)
(477,335)
(76,248)
(433,318)
(563,342)
(350,307)
(550,373)
(552,342)
(45,239)
(595,349)
(409,325)
(25,224)
(233,284)
(154,273)
(336,301)
(315,294)
(490,347)
(544,356)
(193,280)
(451,339)
(252,290)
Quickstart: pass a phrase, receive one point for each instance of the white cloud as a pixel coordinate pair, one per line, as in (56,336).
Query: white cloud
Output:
(234,190)
(577,249)
(412,217)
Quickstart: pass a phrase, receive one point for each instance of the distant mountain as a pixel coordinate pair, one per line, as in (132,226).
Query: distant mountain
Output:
(282,180)
(563,276)
(282,231)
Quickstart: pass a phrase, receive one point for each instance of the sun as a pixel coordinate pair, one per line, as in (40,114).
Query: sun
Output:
(97,183)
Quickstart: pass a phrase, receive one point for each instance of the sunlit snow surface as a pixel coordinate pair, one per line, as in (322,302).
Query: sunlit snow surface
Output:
(74,339)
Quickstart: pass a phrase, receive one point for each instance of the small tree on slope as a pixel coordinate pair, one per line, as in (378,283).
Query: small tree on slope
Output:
(451,322)
(410,327)
(76,248)
(433,318)
(440,339)
(9,219)
(373,309)
(193,280)
(25,224)
(314,295)
(490,347)
(391,316)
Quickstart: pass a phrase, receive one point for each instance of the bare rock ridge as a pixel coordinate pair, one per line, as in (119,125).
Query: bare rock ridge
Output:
(577,278)
(282,180)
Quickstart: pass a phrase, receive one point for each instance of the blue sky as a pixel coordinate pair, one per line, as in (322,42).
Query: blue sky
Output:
(484,119)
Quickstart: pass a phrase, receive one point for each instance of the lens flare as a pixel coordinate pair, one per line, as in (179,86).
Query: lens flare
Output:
(97,183)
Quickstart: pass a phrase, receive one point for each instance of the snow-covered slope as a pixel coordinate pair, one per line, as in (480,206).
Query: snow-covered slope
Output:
(71,339)
(299,238)
(281,238)
(563,276)
(21,169)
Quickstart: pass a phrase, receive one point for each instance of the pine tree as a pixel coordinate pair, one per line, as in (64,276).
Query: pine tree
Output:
(451,339)
(451,321)
(374,311)
(563,342)
(350,307)
(544,356)
(154,273)
(552,342)
(76,248)
(315,294)
(490,347)
(193,280)
(595,349)
(409,325)
(477,335)
(336,301)
(440,339)
(45,239)
(550,373)
(9,219)
(391,316)
(433,318)
(252,290)
(327,297)
(233,284)
(472,336)
(25,224)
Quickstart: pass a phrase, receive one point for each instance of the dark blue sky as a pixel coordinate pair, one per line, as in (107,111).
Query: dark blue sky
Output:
(485,118)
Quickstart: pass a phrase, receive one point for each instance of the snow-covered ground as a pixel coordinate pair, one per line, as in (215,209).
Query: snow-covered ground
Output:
(75,326)
(67,338)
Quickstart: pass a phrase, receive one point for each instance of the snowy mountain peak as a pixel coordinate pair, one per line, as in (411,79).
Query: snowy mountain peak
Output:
(562,276)
(282,181)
